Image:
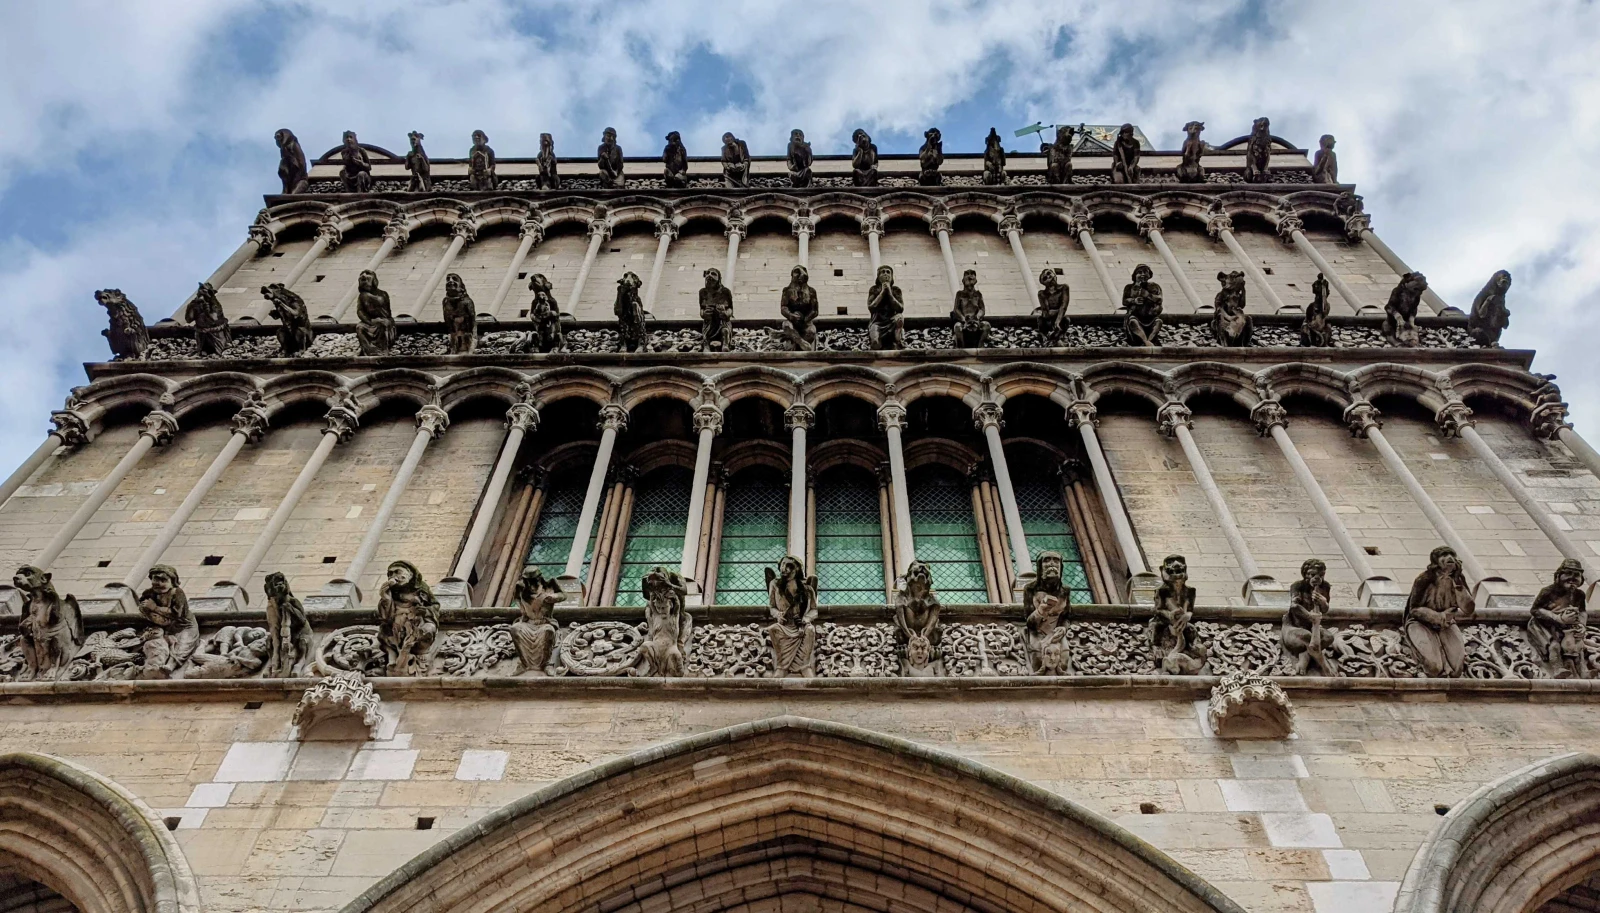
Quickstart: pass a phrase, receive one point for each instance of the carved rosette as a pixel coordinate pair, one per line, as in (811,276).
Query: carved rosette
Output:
(988,415)
(1361,417)
(728,651)
(522,417)
(1249,706)
(344,702)
(434,420)
(1170,416)
(600,648)
(613,418)
(71,427)
(1453,418)
(160,426)
(857,651)
(1267,415)
(799,415)
(475,650)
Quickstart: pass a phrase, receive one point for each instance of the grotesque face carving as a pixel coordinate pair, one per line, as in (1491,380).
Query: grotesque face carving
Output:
(399,576)
(885,275)
(30,579)
(1175,569)
(1141,274)
(162,579)
(609,137)
(1313,572)
(1569,575)
(1047,278)
(479,138)
(713,278)
(919,577)
(789,568)
(276,586)
(919,652)
(367,281)
(453,285)
(798,275)
(797,136)
(1050,568)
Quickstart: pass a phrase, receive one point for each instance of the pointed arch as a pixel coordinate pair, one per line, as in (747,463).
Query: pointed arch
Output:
(572,380)
(300,387)
(112,393)
(407,385)
(487,382)
(230,387)
(957,381)
(768,383)
(667,382)
(864,383)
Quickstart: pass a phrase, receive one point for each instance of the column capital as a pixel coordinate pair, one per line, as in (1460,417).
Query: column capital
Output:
(343,417)
(1547,420)
(892,415)
(939,222)
(1010,222)
(531,228)
(871,225)
(1079,221)
(397,232)
(1453,418)
(71,426)
(160,426)
(433,419)
(329,231)
(601,227)
(1082,412)
(1269,414)
(1362,417)
(736,226)
(613,418)
(707,416)
(1170,416)
(251,421)
(804,225)
(522,417)
(1146,220)
(465,229)
(799,415)
(1288,221)
(667,228)
(1218,221)
(265,239)
(988,415)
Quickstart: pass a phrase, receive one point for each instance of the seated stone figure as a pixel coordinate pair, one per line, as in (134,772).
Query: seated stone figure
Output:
(1051,315)
(1141,298)
(667,626)
(967,324)
(629,309)
(675,161)
(792,605)
(375,329)
(1190,171)
(288,629)
(800,159)
(1314,331)
(1400,312)
(863,161)
(886,306)
(534,633)
(716,314)
(735,161)
(204,314)
(1304,639)
(799,309)
(994,159)
(1558,622)
(355,169)
(1046,600)
(51,627)
(1178,650)
(916,616)
(930,158)
(408,620)
(547,335)
(608,157)
(1490,316)
(1125,152)
(480,164)
(295,334)
(1230,325)
(460,316)
(1058,157)
(1438,601)
(173,633)
(127,334)
(549,178)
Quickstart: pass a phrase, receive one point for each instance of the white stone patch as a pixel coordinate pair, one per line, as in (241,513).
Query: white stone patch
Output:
(1438,456)
(858,256)
(1479,509)
(1202,711)
(353,512)
(370,486)
(641,256)
(210,795)
(383,765)
(1346,509)
(1513,548)
(1262,796)
(161,491)
(1273,766)
(1352,896)
(1346,865)
(1562,507)
(321,761)
(188,818)
(1310,831)
(438,497)
(482,764)
(252,513)
(256,762)
(1561,522)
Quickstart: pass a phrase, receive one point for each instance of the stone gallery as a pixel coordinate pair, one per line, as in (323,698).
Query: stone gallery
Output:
(1097,528)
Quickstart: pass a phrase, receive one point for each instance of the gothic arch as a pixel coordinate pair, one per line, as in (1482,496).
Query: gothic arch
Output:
(1301,378)
(406,385)
(571,381)
(113,393)
(1023,377)
(956,381)
(1512,387)
(791,806)
(665,382)
(300,387)
(230,387)
(768,383)
(487,382)
(865,384)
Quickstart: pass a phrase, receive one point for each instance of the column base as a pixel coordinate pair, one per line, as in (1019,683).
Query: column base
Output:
(695,596)
(1021,584)
(113,599)
(10,602)
(1381,592)
(339,586)
(1495,593)
(1142,588)
(453,593)
(1265,591)
(224,596)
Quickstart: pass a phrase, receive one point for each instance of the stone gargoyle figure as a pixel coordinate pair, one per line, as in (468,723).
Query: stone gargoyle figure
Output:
(608,156)
(292,168)
(994,159)
(173,634)
(1438,601)
(629,308)
(1058,156)
(667,625)
(1258,153)
(1558,622)
(886,307)
(716,314)
(408,620)
(295,334)
(916,618)
(1325,167)
(863,160)
(968,327)
(735,161)
(547,335)
(800,158)
(1141,298)
(480,164)
(232,651)
(127,334)
(1305,641)
(799,309)
(1189,170)
(675,161)
(417,163)
(1051,316)
(51,627)
(1125,154)
(1314,330)
(204,314)
(1046,599)
(375,326)
(1400,313)
(1489,317)
(1230,325)
(288,629)
(534,633)
(792,605)
(355,169)
(930,158)
(1178,650)
(460,316)
(549,178)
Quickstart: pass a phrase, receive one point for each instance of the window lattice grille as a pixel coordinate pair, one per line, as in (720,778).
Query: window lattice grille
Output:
(849,539)
(655,531)
(558,523)
(755,532)
(946,534)
(1046,523)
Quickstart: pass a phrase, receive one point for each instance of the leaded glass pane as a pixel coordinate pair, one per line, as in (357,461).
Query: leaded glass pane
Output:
(946,535)
(849,538)
(755,533)
(655,531)
(1047,524)
(558,522)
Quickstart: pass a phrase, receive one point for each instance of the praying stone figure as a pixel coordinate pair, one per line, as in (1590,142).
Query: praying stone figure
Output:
(629,309)
(173,633)
(292,168)
(375,328)
(799,309)
(1058,157)
(716,314)
(460,316)
(288,629)
(667,625)
(675,162)
(51,627)
(1258,153)
(1558,622)
(994,159)
(609,157)
(1439,600)
(294,321)
(128,336)
(792,604)
(799,159)
(863,161)
(1314,330)
(1304,639)
(417,163)
(1325,167)
(204,314)
(886,327)
(1054,296)
(545,313)
(1125,157)
(1046,599)
(534,634)
(1229,323)
(408,620)
(480,163)
(1141,298)
(1400,313)
(1189,170)
(548,178)
(916,617)
(1490,317)
(1177,649)
(930,158)
(356,168)
(967,324)
(735,161)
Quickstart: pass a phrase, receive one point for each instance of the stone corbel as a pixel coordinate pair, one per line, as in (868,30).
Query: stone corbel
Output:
(342,708)
(1248,706)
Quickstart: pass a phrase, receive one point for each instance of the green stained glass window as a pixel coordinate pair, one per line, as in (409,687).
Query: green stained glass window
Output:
(655,531)
(946,535)
(1046,523)
(849,538)
(755,532)
(558,523)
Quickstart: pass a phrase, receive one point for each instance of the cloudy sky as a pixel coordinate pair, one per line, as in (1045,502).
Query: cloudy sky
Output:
(136,135)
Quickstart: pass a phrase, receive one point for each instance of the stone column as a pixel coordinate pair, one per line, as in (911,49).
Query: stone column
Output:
(892,419)
(394,236)
(1082,226)
(599,231)
(1580,448)
(666,232)
(990,418)
(460,233)
(1011,230)
(803,229)
(798,418)
(707,425)
(940,226)
(72,430)
(1081,415)
(613,420)
(1175,421)
(1220,226)
(328,237)
(531,233)
(1150,227)
(1292,230)
(735,233)
(521,418)
(872,230)
(1358,227)
(159,428)
(260,241)
(432,421)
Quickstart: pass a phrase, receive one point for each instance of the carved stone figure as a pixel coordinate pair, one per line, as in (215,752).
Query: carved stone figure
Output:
(1258,153)
(1325,167)
(629,309)
(535,632)
(800,159)
(545,313)
(886,327)
(967,324)
(232,651)
(548,179)
(292,168)
(1058,156)
(863,161)
(994,159)
(792,604)
(480,163)
(295,334)
(1305,641)
(375,329)
(51,626)
(1400,313)
(408,620)
(1490,317)
(1046,599)
(1189,170)
(799,309)
(1177,649)
(1141,298)
(204,314)
(667,626)
(417,163)
(128,336)
(609,157)
(930,158)
(916,617)
(356,168)
(1051,315)
(1314,330)
(716,314)
(1125,157)
(1439,600)
(173,633)
(1558,622)
(1229,323)
(460,316)
(735,161)
(675,161)
(288,629)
